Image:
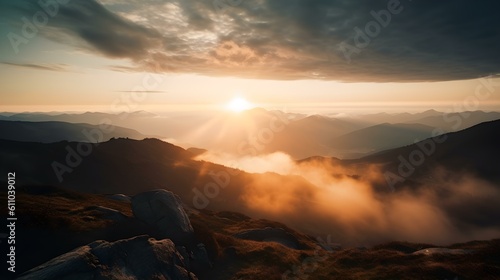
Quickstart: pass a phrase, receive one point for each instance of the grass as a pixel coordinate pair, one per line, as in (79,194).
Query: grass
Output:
(51,217)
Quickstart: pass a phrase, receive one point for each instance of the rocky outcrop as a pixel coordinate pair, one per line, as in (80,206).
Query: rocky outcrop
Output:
(163,211)
(200,260)
(140,257)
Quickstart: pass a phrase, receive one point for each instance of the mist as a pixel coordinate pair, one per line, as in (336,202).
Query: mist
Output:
(343,202)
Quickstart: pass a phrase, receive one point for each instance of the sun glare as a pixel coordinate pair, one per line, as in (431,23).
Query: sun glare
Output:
(238,104)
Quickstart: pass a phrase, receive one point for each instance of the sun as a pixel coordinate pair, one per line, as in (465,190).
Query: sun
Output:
(238,104)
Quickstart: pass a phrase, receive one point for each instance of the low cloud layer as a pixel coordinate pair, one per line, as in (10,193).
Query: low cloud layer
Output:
(281,39)
(341,202)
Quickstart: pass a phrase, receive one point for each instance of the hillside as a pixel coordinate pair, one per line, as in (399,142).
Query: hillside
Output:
(54,131)
(379,137)
(474,150)
(53,221)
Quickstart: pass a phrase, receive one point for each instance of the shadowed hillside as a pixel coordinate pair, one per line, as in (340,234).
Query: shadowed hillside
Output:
(47,132)
(474,150)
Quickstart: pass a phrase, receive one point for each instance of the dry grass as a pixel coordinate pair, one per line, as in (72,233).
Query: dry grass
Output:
(55,210)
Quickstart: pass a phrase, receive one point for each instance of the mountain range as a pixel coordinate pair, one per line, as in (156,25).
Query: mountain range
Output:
(259,131)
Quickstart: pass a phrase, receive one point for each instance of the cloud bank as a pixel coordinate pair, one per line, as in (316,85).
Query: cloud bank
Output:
(342,202)
(282,39)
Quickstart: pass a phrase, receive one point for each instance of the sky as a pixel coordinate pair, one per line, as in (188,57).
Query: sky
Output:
(303,55)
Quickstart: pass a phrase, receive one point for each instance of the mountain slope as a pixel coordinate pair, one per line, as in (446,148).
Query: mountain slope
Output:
(379,137)
(130,166)
(475,150)
(53,131)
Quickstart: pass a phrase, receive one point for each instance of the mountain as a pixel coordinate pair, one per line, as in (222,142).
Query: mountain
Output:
(398,117)
(87,117)
(259,131)
(131,166)
(473,150)
(457,121)
(379,137)
(256,131)
(52,131)
(311,136)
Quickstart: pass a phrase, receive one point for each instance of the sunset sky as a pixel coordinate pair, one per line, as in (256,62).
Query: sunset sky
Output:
(279,54)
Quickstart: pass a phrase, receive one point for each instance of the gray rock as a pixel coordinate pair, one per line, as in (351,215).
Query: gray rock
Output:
(119,197)
(108,213)
(268,234)
(140,257)
(185,255)
(163,210)
(200,261)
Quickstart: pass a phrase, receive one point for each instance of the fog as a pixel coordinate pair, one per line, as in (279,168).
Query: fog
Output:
(341,201)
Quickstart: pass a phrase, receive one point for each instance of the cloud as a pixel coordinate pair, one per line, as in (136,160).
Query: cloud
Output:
(323,197)
(283,39)
(49,67)
(93,26)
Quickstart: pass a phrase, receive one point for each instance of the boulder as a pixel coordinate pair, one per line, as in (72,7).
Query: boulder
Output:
(119,197)
(269,234)
(140,257)
(163,211)
(200,260)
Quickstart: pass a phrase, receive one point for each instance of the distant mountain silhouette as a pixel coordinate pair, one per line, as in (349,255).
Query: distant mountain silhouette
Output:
(298,135)
(311,136)
(457,121)
(260,131)
(475,150)
(52,131)
(379,137)
(87,117)
(399,117)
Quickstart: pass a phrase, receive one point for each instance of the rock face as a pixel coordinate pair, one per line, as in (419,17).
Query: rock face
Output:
(163,210)
(268,234)
(140,257)
(200,260)
(442,251)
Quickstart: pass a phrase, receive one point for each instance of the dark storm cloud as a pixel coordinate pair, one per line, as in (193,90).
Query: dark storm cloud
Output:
(101,29)
(294,39)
